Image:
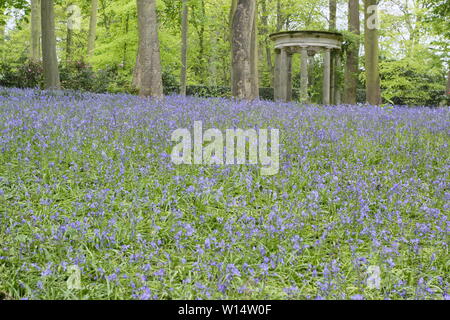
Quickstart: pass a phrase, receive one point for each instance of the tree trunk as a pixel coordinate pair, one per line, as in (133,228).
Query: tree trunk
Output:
(265,32)
(373,91)
(125,45)
(136,82)
(242,65)
(332,18)
(213,75)
(352,64)
(69,44)
(149,53)
(2,34)
(254,56)
(50,60)
(231,16)
(92,28)
(279,16)
(200,70)
(184,36)
(448,83)
(35,30)
(332,6)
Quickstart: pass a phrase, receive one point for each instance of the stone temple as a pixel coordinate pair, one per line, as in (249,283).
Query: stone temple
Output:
(307,44)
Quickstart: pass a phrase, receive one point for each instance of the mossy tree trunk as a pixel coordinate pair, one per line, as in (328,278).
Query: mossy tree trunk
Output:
(244,50)
(373,91)
(35,25)
(184,44)
(92,27)
(149,61)
(352,64)
(49,58)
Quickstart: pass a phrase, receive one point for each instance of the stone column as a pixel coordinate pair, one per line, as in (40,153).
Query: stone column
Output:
(337,92)
(304,75)
(284,66)
(332,76)
(311,65)
(326,76)
(289,78)
(276,75)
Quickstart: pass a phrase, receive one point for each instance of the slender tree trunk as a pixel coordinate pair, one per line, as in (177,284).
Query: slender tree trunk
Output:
(254,56)
(201,45)
(373,91)
(448,83)
(184,36)
(69,44)
(332,17)
(242,58)
(125,45)
(50,60)
(92,28)
(279,16)
(35,30)
(106,19)
(2,31)
(2,34)
(149,52)
(231,25)
(213,58)
(136,82)
(352,64)
(265,32)
(332,6)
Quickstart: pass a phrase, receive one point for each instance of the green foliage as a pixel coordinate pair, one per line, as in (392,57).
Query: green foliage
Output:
(438,15)
(412,36)
(411,81)
(25,75)
(80,76)
(408,82)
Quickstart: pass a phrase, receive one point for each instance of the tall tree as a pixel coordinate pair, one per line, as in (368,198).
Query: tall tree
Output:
(199,19)
(125,44)
(448,82)
(2,33)
(279,16)
(35,30)
(49,58)
(92,27)
(352,63)
(254,55)
(149,61)
(371,34)
(184,36)
(265,33)
(243,55)
(332,11)
(69,44)
(69,33)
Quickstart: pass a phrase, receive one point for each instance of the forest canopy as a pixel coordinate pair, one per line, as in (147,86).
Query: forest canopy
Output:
(413,45)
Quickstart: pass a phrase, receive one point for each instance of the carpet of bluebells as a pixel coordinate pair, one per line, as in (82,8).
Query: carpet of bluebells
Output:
(87,180)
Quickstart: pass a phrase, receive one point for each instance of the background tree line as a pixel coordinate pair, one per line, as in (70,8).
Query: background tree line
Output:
(207,46)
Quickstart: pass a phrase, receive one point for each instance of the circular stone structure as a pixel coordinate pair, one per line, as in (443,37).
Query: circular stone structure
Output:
(307,43)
